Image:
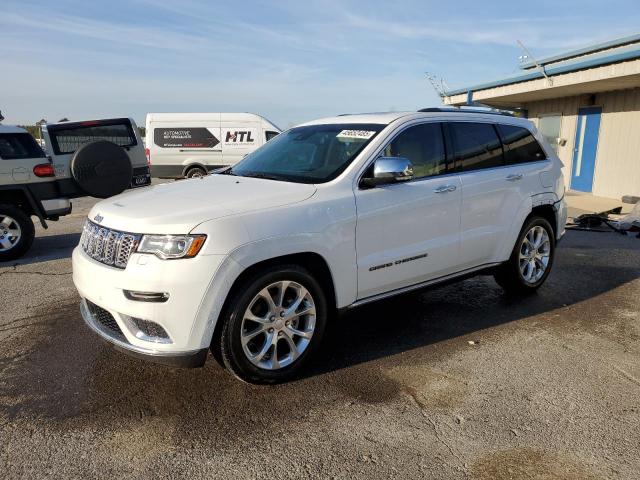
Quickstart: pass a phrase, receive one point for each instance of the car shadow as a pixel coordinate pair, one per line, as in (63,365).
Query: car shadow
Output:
(438,315)
(47,248)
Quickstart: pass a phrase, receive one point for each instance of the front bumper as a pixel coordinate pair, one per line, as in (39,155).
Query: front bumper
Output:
(192,359)
(186,327)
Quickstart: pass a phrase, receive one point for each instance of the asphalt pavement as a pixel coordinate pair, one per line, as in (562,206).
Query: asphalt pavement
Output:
(457,382)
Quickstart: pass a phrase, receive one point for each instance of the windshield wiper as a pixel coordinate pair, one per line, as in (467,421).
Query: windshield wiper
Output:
(266,176)
(224,171)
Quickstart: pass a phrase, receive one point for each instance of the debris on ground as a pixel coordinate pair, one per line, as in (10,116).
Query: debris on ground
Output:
(609,220)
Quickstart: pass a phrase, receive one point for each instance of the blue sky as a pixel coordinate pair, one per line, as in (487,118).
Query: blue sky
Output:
(288,60)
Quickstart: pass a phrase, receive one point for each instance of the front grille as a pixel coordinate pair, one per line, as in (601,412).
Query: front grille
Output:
(107,246)
(150,329)
(104,318)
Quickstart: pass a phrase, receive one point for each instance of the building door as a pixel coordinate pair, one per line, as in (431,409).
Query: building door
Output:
(586,148)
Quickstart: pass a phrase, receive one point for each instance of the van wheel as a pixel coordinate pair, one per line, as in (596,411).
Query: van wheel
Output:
(272,325)
(531,259)
(16,232)
(195,172)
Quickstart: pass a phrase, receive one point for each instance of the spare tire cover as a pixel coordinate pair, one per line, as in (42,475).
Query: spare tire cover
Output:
(101,169)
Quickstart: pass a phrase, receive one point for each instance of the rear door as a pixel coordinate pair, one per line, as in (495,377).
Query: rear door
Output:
(19,154)
(488,204)
(496,180)
(63,139)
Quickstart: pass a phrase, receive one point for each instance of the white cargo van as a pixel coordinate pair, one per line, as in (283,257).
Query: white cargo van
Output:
(191,144)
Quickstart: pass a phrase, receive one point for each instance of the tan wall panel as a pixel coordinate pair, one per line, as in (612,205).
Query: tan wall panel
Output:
(617,170)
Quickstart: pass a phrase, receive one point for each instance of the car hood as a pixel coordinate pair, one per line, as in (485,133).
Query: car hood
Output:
(178,207)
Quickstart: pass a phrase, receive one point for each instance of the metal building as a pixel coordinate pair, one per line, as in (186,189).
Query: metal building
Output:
(586,102)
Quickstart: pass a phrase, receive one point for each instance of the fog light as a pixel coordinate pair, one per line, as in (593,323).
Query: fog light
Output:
(157,297)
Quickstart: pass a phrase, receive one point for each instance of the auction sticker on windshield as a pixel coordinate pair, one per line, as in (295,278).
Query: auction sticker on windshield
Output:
(360,134)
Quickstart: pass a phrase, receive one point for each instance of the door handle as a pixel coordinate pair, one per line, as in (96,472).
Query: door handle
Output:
(514,177)
(445,189)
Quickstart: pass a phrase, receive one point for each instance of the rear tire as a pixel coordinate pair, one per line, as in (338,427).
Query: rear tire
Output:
(263,341)
(531,259)
(16,232)
(195,172)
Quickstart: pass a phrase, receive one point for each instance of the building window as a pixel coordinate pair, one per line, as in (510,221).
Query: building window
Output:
(549,126)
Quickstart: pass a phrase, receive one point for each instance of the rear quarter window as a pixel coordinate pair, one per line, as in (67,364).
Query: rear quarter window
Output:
(16,146)
(520,146)
(68,138)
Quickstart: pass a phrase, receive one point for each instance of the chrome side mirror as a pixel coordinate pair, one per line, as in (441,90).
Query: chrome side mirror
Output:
(389,170)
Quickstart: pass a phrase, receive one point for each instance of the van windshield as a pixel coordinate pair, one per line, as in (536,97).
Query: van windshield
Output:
(311,154)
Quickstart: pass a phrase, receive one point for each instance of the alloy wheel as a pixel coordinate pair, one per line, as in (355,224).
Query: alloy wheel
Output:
(10,233)
(278,324)
(535,253)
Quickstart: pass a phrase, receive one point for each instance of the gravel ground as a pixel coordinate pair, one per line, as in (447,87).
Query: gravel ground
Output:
(458,382)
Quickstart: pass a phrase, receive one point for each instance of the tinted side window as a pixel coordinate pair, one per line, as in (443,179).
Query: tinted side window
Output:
(519,145)
(15,146)
(424,146)
(475,146)
(269,135)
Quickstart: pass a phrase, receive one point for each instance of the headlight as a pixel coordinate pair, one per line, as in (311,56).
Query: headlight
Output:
(171,246)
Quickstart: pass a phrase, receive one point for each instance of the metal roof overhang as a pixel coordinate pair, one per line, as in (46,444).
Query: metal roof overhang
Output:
(604,73)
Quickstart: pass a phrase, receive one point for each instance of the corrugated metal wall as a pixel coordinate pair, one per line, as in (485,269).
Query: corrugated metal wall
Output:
(618,161)
(617,170)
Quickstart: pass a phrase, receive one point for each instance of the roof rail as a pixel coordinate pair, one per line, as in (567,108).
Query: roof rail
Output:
(464,110)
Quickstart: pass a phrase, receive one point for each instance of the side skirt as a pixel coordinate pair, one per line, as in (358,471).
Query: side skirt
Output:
(436,282)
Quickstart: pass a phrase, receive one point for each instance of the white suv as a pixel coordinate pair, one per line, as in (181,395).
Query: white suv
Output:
(252,261)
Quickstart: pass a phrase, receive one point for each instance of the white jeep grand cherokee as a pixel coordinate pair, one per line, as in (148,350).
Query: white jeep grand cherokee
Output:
(251,261)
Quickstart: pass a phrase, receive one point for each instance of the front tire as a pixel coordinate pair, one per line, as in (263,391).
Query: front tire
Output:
(272,325)
(16,232)
(531,259)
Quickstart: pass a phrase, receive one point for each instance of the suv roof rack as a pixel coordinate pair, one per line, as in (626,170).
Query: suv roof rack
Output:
(464,110)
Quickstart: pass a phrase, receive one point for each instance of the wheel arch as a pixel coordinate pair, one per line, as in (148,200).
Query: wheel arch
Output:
(541,205)
(193,165)
(17,198)
(21,197)
(548,213)
(312,261)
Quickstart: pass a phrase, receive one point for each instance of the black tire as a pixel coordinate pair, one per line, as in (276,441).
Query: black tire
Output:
(227,347)
(27,232)
(509,275)
(196,172)
(101,169)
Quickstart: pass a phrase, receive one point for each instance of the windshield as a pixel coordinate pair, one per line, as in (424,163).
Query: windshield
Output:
(312,154)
